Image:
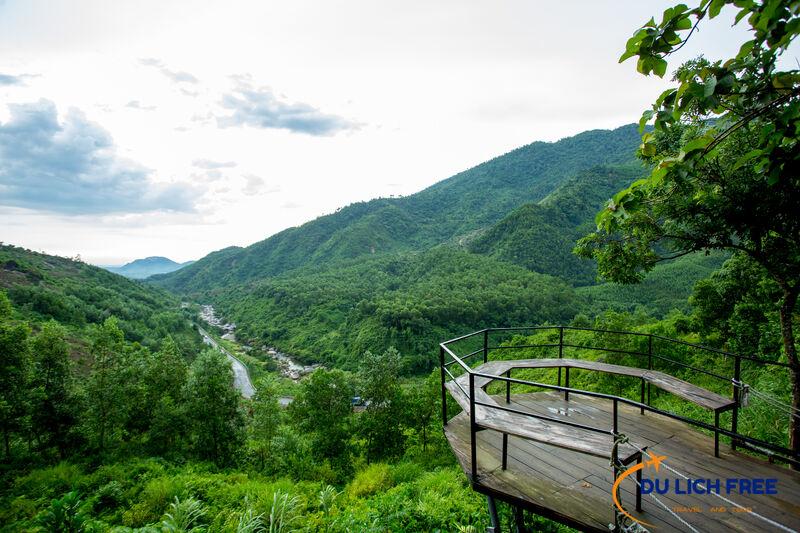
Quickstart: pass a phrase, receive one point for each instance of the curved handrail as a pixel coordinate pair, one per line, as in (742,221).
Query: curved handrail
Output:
(735,380)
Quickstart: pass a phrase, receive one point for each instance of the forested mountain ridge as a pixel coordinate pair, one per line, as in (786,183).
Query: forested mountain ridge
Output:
(408,300)
(540,236)
(470,200)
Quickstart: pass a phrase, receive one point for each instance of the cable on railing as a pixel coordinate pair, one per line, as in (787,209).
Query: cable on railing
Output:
(775,401)
(747,389)
(633,527)
(666,508)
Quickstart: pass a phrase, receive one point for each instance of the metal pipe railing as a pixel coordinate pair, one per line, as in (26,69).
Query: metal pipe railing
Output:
(736,438)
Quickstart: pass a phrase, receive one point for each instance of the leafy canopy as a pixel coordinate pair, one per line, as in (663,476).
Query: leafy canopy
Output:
(723,149)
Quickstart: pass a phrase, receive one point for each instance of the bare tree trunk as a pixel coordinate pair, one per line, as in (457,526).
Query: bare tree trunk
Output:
(790,349)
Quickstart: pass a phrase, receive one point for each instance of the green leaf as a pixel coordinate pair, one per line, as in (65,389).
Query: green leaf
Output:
(785,80)
(745,49)
(659,67)
(697,144)
(715,8)
(747,157)
(683,23)
(646,116)
(711,84)
(739,16)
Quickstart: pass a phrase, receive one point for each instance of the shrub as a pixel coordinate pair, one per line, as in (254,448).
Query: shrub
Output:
(375,478)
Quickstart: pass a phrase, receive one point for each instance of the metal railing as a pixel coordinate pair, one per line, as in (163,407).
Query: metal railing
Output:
(651,356)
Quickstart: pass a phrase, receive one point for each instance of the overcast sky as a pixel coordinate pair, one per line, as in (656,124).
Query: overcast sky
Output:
(175,128)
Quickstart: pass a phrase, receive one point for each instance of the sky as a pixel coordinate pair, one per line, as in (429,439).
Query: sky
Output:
(137,128)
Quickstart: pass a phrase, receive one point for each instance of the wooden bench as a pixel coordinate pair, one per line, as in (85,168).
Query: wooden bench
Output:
(683,389)
(558,433)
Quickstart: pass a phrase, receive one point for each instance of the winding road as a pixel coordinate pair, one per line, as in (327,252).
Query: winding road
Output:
(241,377)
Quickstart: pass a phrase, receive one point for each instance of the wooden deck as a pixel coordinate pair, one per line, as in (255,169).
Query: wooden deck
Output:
(575,488)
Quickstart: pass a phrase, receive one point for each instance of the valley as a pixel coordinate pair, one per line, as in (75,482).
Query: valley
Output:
(315,369)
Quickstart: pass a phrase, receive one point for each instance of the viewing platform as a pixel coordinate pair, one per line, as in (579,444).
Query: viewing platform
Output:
(524,436)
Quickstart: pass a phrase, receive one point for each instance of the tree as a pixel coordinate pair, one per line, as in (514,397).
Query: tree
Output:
(165,376)
(15,366)
(53,410)
(104,388)
(737,304)
(5,306)
(266,419)
(218,422)
(724,153)
(423,405)
(323,409)
(381,423)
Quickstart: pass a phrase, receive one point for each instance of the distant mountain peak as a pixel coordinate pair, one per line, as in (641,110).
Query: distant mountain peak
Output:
(148,266)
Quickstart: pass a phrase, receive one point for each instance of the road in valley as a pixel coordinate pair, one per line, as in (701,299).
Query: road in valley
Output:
(241,377)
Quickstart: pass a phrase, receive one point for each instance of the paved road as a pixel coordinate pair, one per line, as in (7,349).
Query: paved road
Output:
(241,378)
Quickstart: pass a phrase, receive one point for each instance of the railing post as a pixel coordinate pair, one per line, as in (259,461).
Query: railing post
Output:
(641,398)
(649,363)
(444,389)
(566,384)
(485,345)
(560,350)
(508,387)
(472,429)
(615,464)
(737,382)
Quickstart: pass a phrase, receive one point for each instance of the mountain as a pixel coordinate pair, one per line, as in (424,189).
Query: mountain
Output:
(144,268)
(491,246)
(467,202)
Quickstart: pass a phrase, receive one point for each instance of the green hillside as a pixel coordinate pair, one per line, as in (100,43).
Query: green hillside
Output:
(466,202)
(667,287)
(44,287)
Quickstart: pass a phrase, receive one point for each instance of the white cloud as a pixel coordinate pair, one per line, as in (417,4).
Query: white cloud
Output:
(177,76)
(260,108)
(72,167)
(253,185)
(208,164)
